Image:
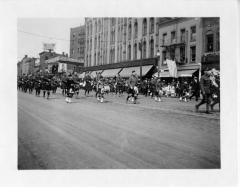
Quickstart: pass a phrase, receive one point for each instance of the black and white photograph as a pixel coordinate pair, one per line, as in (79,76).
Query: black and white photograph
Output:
(119,93)
(126,93)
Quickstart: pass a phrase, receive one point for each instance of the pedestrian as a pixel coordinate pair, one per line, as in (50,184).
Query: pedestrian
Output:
(205,84)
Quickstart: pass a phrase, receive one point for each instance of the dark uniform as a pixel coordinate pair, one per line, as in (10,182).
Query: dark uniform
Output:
(216,93)
(205,84)
(195,89)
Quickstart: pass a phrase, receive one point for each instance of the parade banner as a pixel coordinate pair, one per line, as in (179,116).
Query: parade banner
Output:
(62,67)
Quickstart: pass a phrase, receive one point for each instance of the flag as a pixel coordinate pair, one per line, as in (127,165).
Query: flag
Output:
(172,68)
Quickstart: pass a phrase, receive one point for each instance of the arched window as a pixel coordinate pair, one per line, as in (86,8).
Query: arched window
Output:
(129,31)
(144,50)
(144,26)
(151,48)
(151,25)
(113,60)
(87,60)
(110,59)
(90,60)
(98,62)
(94,59)
(135,51)
(129,52)
(120,53)
(99,26)
(96,27)
(99,42)
(135,29)
(95,43)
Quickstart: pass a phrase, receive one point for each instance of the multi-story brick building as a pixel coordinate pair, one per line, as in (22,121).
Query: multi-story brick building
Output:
(26,65)
(77,43)
(187,40)
(211,43)
(128,42)
(113,40)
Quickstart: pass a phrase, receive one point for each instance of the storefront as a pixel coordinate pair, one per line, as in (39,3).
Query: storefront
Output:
(184,72)
(61,64)
(124,69)
(211,60)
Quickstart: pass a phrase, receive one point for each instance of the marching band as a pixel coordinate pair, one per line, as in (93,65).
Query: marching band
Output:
(209,86)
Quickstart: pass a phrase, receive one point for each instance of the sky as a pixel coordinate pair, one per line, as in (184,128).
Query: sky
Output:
(33,32)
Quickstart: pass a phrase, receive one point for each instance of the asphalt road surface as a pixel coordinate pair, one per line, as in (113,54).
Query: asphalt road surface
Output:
(87,134)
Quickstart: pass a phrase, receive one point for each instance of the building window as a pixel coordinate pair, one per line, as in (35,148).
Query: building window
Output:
(96,28)
(113,21)
(135,51)
(172,53)
(120,53)
(129,52)
(209,43)
(151,25)
(144,50)
(183,35)
(99,26)
(78,50)
(144,26)
(94,59)
(87,61)
(193,33)
(99,42)
(135,29)
(193,53)
(95,43)
(157,28)
(90,60)
(129,31)
(73,35)
(164,40)
(173,37)
(98,62)
(151,48)
(182,54)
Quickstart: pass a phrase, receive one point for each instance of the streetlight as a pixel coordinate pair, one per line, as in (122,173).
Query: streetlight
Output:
(158,59)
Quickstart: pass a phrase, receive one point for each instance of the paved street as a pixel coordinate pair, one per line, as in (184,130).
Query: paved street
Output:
(86,134)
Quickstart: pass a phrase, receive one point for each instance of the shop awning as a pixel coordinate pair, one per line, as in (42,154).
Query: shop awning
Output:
(126,72)
(94,73)
(164,74)
(110,72)
(186,73)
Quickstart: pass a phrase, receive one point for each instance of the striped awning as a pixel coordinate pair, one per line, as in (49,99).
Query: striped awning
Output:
(110,72)
(183,73)
(94,73)
(126,72)
(186,73)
